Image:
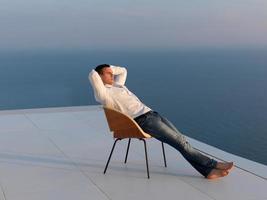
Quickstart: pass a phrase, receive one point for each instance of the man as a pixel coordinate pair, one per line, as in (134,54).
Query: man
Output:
(108,83)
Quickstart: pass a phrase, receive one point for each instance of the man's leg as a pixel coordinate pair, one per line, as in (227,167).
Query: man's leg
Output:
(220,165)
(165,131)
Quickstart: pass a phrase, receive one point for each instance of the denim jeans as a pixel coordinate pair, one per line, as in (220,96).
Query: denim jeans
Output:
(163,130)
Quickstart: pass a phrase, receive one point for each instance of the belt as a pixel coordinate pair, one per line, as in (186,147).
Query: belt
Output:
(141,116)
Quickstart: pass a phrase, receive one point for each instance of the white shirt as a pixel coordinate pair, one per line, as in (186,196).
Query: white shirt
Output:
(117,96)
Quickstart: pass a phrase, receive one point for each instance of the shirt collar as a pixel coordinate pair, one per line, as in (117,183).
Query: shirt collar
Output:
(114,85)
(108,85)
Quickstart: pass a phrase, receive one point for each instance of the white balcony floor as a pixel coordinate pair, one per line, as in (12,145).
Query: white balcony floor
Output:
(60,153)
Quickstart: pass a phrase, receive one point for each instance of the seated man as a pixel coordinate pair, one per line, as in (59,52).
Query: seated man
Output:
(109,90)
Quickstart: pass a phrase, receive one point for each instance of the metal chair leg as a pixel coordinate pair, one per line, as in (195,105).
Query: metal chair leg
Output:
(163,151)
(146,158)
(126,156)
(111,154)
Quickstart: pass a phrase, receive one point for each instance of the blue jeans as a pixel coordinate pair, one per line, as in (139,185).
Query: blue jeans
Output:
(163,130)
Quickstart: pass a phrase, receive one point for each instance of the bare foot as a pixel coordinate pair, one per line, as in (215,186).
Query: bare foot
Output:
(217,173)
(225,166)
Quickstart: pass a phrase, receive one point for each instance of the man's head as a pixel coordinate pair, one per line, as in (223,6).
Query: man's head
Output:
(106,73)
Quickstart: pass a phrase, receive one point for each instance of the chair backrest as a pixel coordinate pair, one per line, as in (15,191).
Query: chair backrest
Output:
(122,125)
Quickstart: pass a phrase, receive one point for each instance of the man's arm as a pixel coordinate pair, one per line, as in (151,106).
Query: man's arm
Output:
(98,86)
(120,74)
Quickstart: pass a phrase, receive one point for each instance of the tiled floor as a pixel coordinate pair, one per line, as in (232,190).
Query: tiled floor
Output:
(60,153)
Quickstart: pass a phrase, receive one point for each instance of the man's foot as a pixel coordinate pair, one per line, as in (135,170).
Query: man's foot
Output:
(225,166)
(217,173)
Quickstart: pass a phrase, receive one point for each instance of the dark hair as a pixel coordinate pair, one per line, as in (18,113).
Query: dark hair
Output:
(99,68)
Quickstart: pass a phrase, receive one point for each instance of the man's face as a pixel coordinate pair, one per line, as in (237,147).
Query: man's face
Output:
(107,76)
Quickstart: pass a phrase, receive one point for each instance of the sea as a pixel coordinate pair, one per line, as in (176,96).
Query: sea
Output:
(217,96)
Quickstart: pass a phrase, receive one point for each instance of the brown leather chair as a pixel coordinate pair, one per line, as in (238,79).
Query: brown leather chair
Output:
(124,127)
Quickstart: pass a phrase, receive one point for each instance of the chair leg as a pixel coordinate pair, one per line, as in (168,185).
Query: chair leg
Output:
(146,158)
(163,151)
(111,154)
(126,156)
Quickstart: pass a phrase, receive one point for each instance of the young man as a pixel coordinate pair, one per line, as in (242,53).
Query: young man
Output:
(108,83)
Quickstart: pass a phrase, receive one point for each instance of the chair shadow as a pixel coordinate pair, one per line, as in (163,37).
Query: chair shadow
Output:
(132,169)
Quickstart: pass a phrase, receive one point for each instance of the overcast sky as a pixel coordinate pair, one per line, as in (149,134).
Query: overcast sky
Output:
(91,24)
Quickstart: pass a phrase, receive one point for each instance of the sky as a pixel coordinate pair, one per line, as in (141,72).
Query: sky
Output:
(126,24)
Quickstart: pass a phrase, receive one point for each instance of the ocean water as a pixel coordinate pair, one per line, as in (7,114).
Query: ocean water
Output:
(215,96)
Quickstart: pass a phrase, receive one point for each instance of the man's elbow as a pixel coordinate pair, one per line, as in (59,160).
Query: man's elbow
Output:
(91,75)
(124,69)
